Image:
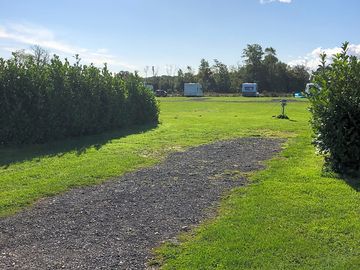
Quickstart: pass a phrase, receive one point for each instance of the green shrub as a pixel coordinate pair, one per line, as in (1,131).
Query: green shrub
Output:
(141,103)
(54,100)
(336,111)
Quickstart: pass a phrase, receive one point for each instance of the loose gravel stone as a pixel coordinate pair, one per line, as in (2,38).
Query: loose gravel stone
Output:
(116,224)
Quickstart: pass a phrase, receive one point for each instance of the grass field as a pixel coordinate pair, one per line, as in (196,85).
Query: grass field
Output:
(29,173)
(291,216)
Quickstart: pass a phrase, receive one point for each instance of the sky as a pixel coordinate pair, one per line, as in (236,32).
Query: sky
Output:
(171,34)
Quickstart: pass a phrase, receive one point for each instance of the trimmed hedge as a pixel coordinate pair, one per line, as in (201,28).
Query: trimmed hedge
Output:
(40,102)
(336,111)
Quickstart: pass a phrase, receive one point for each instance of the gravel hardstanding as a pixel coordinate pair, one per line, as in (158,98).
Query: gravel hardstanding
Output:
(116,224)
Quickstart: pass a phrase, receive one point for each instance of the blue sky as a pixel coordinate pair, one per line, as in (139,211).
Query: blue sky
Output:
(132,34)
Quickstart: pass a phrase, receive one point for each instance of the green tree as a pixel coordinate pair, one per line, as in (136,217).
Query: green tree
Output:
(269,67)
(236,74)
(281,79)
(221,77)
(298,77)
(189,76)
(205,75)
(180,80)
(253,56)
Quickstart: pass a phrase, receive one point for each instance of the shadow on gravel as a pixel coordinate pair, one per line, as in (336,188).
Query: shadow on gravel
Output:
(14,154)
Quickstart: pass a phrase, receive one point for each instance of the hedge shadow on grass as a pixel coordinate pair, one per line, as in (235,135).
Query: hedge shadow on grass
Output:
(353,181)
(14,154)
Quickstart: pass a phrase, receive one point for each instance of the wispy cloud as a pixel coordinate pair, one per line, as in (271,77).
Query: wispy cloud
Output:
(27,34)
(272,1)
(312,59)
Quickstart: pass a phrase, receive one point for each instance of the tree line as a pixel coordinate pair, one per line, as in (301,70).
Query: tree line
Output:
(260,65)
(43,99)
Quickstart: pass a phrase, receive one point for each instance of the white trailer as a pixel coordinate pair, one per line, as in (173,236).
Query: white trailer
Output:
(249,90)
(193,90)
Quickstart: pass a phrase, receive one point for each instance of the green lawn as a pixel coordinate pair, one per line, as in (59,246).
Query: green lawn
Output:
(290,217)
(29,173)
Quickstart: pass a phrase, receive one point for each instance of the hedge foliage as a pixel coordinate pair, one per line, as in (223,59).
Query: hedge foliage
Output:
(336,111)
(53,100)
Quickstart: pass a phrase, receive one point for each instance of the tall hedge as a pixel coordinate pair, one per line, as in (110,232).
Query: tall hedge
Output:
(336,111)
(47,101)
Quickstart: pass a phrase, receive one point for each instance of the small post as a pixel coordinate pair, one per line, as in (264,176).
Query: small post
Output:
(283,104)
(283,115)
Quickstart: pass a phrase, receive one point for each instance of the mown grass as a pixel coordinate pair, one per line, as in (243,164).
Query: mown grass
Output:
(292,216)
(30,173)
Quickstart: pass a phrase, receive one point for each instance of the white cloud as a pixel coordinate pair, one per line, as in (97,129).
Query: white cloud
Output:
(27,34)
(10,49)
(312,59)
(272,1)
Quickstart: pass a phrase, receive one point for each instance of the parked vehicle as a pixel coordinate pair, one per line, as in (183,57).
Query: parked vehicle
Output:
(299,95)
(160,93)
(249,90)
(193,90)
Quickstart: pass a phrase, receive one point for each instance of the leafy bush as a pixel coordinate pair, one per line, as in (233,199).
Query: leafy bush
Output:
(53,100)
(336,111)
(141,103)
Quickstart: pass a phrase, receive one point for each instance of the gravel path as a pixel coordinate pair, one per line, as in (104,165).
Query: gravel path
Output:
(114,225)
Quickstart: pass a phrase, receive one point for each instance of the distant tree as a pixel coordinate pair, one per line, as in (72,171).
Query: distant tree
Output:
(236,74)
(41,56)
(280,82)
(189,76)
(22,57)
(205,75)
(155,79)
(298,77)
(165,82)
(270,56)
(260,66)
(171,71)
(180,80)
(154,70)
(269,68)
(221,77)
(253,56)
(146,71)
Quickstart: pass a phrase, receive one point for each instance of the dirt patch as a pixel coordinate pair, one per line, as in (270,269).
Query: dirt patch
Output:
(115,225)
